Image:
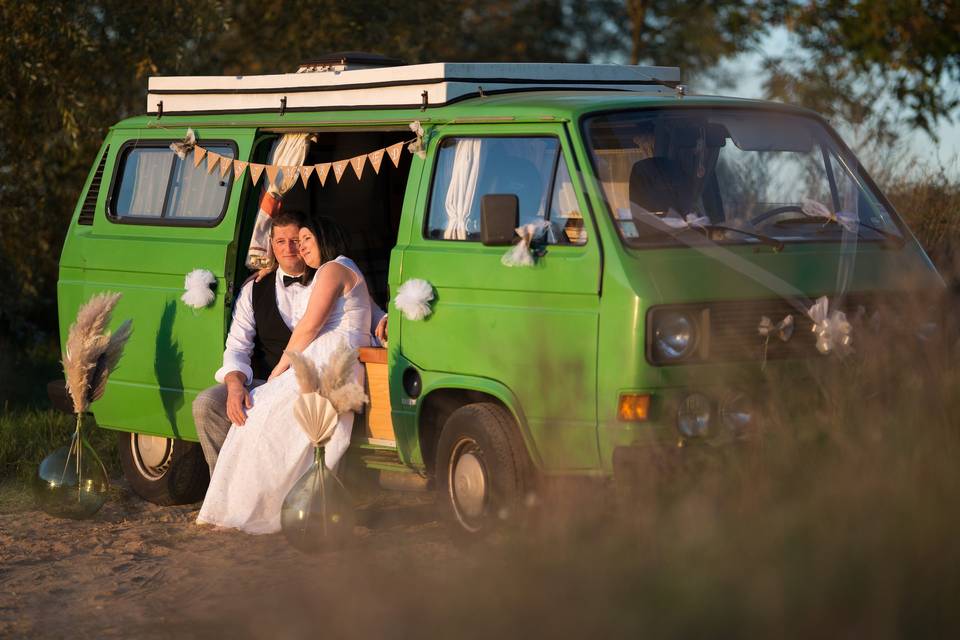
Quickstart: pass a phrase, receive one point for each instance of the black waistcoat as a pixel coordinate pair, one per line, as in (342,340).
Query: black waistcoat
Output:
(272,332)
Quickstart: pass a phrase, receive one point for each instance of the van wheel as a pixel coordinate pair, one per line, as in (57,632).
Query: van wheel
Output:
(482,467)
(164,471)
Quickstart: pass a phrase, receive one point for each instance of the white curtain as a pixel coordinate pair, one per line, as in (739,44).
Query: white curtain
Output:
(290,150)
(150,182)
(198,194)
(463,187)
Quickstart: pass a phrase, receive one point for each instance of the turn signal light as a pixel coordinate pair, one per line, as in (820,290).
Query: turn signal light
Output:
(634,407)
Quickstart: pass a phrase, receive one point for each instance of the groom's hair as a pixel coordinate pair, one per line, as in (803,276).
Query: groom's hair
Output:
(287,217)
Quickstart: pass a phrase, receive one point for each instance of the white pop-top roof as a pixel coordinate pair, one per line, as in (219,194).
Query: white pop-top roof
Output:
(408,86)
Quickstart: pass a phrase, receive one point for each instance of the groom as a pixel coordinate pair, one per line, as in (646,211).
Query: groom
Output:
(264,315)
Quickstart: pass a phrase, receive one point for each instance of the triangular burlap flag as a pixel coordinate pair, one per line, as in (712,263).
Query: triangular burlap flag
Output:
(339,167)
(213,159)
(322,171)
(225,164)
(198,153)
(255,171)
(376,158)
(394,152)
(305,173)
(272,172)
(357,163)
(239,166)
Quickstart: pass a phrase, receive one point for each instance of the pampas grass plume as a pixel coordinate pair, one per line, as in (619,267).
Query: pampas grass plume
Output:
(338,382)
(307,375)
(86,343)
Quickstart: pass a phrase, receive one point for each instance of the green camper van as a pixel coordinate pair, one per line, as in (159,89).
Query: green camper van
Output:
(665,227)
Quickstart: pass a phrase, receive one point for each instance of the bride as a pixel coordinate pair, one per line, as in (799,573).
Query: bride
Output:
(261,460)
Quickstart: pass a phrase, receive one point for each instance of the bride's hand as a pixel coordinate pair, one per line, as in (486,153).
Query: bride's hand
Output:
(277,371)
(263,273)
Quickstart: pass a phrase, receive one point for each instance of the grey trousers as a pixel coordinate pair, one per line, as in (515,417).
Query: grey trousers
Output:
(210,418)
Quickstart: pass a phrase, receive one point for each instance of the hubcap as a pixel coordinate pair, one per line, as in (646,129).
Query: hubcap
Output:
(468,484)
(152,454)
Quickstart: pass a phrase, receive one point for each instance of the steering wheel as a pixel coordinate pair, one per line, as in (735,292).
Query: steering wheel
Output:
(770,213)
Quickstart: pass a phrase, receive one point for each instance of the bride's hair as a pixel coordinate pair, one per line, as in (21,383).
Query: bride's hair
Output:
(330,236)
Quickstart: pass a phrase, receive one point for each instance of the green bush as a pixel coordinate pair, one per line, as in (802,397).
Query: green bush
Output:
(28,435)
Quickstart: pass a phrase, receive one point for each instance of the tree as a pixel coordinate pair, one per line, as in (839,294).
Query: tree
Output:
(888,62)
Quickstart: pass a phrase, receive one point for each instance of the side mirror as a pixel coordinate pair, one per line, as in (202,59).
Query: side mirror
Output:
(499,216)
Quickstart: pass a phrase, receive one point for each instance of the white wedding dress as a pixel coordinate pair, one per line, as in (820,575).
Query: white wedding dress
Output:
(262,460)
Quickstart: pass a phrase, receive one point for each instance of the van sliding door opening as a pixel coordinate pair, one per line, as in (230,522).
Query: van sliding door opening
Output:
(368,208)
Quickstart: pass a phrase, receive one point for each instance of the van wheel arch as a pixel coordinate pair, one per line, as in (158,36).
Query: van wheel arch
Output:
(165,471)
(437,407)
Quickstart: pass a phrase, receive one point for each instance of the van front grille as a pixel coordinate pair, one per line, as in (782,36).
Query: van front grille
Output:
(90,202)
(733,328)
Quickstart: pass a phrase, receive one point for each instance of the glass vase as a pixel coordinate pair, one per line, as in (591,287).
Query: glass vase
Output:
(72,482)
(318,511)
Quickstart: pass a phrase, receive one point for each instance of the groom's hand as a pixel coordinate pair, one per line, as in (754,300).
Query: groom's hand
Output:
(238,398)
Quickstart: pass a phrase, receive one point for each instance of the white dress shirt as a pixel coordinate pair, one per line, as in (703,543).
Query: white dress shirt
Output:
(291,303)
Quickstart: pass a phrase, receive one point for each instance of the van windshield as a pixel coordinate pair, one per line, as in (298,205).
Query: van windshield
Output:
(742,174)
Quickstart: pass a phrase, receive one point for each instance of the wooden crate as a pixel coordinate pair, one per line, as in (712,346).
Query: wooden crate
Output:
(379,425)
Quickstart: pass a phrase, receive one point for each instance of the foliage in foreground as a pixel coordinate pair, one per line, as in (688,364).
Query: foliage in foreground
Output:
(28,435)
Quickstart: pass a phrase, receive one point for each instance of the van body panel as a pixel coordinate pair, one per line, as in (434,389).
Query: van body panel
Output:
(174,349)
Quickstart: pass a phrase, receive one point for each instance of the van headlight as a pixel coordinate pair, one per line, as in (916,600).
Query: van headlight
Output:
(694,415)
(674,335)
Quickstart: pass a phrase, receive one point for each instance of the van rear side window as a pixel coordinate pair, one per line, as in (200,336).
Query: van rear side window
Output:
(154,186)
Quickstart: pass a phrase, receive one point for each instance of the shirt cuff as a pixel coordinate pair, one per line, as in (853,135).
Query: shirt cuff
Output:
(231,367)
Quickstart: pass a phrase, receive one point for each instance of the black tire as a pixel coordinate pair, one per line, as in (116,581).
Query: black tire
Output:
(482,468)
(165,471)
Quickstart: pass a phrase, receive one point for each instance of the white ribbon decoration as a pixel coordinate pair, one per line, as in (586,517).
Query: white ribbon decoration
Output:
(185,146)
(845,219)
(690,221)
(783,330)
(198,293)
(417,146)
(519,255)
(832,328)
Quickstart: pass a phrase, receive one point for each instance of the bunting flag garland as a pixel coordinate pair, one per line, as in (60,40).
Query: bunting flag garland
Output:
(305,173)
(283,177)
(376,158)
(255,171)
(357,163)
(338,168)
(394,152)
(239,167)
(322,171)
(213,159)
(272,172)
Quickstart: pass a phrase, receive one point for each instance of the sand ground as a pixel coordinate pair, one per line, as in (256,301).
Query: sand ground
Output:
(138,570)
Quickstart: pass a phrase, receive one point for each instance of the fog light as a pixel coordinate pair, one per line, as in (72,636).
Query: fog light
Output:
(633,407)
(737,412)
(693,416)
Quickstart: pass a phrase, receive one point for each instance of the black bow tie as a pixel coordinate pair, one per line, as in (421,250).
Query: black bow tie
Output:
(304,279)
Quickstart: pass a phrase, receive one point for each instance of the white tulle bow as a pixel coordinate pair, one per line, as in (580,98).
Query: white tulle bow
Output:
(831,327)
(198,293)
(413,299)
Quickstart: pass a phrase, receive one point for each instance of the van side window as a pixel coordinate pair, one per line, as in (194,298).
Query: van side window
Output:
(152,182)
(530,167)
